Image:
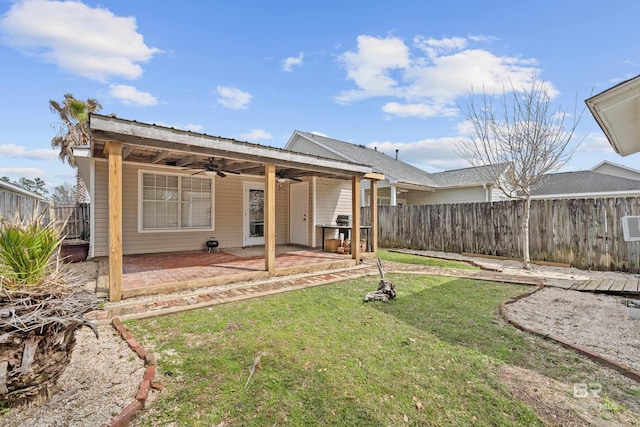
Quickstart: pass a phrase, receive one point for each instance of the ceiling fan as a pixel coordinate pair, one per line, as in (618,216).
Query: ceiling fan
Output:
(210,166)
(282,177)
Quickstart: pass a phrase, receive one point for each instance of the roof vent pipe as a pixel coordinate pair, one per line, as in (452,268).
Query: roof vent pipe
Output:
(396,154)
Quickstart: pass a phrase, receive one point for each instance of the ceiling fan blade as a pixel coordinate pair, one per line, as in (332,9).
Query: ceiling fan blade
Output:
(233,172)
(295,179)
(221,174)
(197,172)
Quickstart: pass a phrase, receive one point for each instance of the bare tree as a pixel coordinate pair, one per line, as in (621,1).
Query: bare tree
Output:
(520,128)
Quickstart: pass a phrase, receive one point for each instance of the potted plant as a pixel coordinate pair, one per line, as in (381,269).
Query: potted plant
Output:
(41,306)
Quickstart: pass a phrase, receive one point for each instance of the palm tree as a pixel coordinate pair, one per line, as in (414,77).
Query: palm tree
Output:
(73,130)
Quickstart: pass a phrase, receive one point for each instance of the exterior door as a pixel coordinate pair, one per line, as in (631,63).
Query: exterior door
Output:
(253,214)
(298,210)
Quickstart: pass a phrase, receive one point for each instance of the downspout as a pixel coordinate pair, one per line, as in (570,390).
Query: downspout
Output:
(487,193)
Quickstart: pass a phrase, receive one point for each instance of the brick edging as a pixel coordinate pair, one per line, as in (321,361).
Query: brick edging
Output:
(130,411)
(623,369)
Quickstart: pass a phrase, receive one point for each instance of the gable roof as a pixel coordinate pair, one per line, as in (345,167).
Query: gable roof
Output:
(607,167)
(464,177)
(394,170)
(585,182)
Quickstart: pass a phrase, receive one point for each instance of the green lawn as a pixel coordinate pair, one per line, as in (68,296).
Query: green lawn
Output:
(326,358)
(386,255)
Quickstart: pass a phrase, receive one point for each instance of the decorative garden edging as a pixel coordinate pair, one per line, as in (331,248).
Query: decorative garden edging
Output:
(623,369)
(131,410)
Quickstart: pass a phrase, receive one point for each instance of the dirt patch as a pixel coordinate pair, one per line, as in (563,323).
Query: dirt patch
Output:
(558,404)
(596,322)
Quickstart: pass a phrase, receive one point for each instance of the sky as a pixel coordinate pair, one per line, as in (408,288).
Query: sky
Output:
(384,74)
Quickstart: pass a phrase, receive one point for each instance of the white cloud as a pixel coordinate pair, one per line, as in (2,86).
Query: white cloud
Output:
(595,143)
(417,110)
(18,151)
(370,66)
(16,172)
(431,75)
(129,95)
(292,61)
(256,135)
(233,98)
(81,40)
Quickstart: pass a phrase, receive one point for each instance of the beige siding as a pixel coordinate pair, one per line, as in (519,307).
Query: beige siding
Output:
(333,198)
(228,215)
(454,195)
(617,171)
(100,206)
(282,214)
(303,145)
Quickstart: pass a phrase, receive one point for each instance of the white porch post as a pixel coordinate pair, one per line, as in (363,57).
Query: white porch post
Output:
(355,216)
(392,189)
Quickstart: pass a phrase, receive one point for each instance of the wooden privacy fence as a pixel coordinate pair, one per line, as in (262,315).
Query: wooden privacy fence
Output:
(27,208)
(586,233)
(77,220)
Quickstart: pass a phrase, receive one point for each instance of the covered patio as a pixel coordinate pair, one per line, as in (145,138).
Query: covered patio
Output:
(160,273)
(125,154)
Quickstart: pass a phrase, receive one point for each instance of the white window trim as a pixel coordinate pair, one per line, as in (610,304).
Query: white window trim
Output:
(180,176)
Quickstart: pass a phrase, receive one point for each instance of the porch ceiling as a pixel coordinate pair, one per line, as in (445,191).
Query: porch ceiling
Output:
(152,144)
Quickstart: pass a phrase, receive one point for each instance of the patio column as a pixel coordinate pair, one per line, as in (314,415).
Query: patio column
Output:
(392,190)
(373,205)
(270,219)
(355,218)
(114,149)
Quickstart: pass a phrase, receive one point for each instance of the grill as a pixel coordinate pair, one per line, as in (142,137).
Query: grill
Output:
(212,243)
(344,220)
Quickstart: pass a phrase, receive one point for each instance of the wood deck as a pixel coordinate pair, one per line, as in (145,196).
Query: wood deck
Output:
(616,287)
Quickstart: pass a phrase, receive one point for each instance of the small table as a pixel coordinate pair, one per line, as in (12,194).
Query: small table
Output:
(366,228)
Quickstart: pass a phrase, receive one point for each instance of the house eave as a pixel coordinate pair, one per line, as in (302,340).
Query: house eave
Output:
(157,139)
(617,112)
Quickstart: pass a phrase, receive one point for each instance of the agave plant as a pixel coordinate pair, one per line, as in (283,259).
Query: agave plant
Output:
(41,307)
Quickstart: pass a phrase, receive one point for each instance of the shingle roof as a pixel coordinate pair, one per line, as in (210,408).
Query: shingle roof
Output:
(463,177)
(393,169)
(585,182)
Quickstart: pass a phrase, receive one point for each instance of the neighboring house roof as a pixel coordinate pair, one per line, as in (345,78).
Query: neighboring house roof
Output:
(615,169)
(587,183)
(394,170)
(464,177)
(617,111)
(19,190)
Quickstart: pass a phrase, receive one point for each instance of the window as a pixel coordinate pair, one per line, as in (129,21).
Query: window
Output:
(175,202)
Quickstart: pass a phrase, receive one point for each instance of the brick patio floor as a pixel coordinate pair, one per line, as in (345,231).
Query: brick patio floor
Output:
(140,271)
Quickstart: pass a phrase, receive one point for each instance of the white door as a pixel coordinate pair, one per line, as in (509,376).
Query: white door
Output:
(298,210)
(253,214)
